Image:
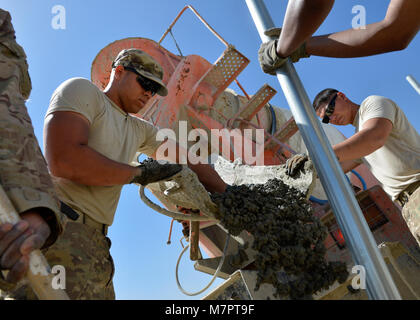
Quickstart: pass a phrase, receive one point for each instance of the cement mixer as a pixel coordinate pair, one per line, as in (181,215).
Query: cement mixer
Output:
(200,97)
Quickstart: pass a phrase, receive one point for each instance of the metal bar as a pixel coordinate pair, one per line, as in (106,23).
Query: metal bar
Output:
(287,130)
(194,240)
(201,19)
(413,83)
(254,105)
(243,90)
(249,98)
(362,245)
(211,29)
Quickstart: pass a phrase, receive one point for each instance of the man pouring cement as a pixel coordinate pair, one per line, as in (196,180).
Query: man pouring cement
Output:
(90,141)
(384,140)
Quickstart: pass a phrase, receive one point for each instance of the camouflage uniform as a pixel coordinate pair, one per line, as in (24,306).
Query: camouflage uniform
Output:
(84,253)
(411,213)
(23,172)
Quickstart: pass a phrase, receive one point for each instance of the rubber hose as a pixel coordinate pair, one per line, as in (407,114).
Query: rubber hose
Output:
(320,201)
(273,119)
(360,179)
(171,214)
(214,276)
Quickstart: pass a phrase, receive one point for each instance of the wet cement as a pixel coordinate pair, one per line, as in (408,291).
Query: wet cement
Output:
(287,236)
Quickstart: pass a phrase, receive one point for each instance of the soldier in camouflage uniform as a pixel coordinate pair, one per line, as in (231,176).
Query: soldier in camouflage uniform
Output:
(23,171)
(25,179)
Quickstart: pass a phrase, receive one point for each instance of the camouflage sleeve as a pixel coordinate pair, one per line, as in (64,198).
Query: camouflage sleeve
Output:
(23,171)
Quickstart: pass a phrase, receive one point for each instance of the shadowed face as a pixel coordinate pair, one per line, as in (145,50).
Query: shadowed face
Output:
(132,95)
(342,114)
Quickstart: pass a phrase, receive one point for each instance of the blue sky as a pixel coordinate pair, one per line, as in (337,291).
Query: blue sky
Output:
(145,264)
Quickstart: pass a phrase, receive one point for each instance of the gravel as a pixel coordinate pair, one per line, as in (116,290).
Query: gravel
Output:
(288,237)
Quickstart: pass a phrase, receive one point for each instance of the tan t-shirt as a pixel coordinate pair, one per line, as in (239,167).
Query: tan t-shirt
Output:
(113,133)
(397,164)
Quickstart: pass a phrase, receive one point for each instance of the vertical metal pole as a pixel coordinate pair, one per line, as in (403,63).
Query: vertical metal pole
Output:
(379,283)
(413,83)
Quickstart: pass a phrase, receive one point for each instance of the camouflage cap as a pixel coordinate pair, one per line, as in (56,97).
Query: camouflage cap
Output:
(144,64)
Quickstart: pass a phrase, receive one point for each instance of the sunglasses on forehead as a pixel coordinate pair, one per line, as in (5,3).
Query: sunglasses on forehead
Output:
(146,84)
(330,110)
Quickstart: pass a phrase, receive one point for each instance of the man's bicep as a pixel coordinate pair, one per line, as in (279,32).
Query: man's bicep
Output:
(63,131)
(380,127)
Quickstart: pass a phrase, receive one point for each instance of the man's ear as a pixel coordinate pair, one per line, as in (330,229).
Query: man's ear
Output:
(118,71)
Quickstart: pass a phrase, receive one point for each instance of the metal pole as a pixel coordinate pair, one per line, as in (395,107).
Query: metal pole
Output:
(413,83)
(379,283)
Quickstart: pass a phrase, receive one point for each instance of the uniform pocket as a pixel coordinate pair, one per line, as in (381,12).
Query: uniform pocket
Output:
(111,260)
(12,48)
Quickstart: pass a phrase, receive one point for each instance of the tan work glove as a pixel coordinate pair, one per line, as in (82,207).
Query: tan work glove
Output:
(296,163)
(155,170)
(267,54)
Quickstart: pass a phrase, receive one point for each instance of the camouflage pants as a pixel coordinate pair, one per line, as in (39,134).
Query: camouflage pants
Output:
(411,214)
(84,253)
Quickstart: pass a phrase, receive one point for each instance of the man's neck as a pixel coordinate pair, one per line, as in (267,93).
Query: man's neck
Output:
(354,110)
(113,96)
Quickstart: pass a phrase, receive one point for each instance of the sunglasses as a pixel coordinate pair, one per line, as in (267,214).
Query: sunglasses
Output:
(145,83)
(330,110)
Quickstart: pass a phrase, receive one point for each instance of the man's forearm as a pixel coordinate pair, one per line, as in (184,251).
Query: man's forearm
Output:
(303,17)
(349,165)
(394,32)
(375,39)
(357,146)
(208,177)
(91,168)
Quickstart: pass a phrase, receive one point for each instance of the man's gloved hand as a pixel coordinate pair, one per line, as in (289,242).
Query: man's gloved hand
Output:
(155,170)
(295,163)
(267,54)
(18,241)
